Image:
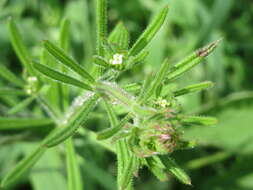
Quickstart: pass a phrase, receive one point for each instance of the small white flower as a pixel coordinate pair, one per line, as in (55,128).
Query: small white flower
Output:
(32,79)
(117,59)
(162,102)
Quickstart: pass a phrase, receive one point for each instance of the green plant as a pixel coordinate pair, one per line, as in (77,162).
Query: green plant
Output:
(152,123)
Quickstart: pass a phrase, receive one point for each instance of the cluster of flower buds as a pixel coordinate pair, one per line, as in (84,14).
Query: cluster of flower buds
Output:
(32,85)
(156,139)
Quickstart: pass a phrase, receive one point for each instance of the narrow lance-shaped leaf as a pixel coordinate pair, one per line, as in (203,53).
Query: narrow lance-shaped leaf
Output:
(149,33)
(107,133)
(199,120)
(101,61)
(122,149)
(101,14)
(128,173)
(145,86)
(119,36)
(22,168)
(10,76)
(69,128)
(22,105)
(69,62)
(132,87)
(60,76)
(140,57)
(193,88)
(191,61)
(173,168)
(157,168)
(123,156)
(73,171)
(19,46)
(23,123)
(160,76)
(111,114)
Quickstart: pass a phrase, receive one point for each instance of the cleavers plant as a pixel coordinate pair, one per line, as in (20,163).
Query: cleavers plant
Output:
(149,131)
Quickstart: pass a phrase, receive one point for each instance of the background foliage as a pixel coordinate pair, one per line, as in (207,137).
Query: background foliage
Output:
(223,158)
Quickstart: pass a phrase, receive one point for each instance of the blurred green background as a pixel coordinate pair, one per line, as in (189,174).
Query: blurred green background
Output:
(223,159)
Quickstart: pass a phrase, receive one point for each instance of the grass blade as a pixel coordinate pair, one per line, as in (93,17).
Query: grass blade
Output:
(69,62)
(73,171)
(60,76)
(149,33)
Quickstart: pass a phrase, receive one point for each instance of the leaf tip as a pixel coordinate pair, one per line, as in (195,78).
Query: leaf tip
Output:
(203,52)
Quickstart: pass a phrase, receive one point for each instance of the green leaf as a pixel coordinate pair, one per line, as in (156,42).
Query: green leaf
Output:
(191,61)
(149,33)
(64,34)
(128,173)
(12,91)
(199,120)
(10,76)
(23,123)
(101,61)
(160,76)
(19,46)
(145,86)
(140,57)
(20,106)
(77,119)
(101,20)
(111,113)
(173,168)
(123,155)
(132,87)
(73,171)
(22,168)
(119,36)
(60,76)
(69,62)
(157,168)
(193,88)
(107,133)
